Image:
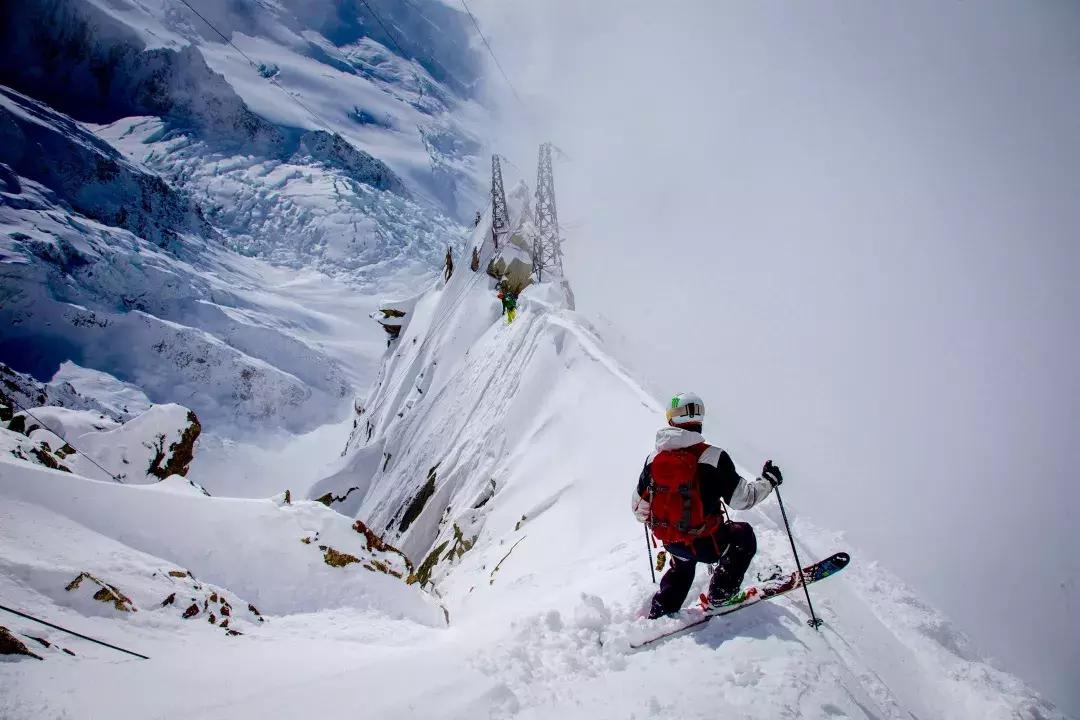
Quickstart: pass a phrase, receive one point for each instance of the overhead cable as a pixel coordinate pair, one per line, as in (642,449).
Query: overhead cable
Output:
(492,53)
(253,64)
(17,404)
(72,632)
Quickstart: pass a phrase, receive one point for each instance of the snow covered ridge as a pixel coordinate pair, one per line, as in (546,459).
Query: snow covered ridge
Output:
(479,454)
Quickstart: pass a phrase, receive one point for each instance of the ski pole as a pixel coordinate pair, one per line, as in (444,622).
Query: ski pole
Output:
(648,546)
(814,621)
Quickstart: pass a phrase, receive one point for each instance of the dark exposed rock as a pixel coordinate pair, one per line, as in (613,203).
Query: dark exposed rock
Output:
(191,612)
(46,458)
(416,506)
(423,573)
(377,544)
(40,641)
(180,453)
(11,645)
(334,151)
(106,593)
(334,558)
(18,424)
(330,497)
(460,545)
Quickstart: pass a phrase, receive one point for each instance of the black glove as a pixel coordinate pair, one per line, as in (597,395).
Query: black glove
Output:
(772,473)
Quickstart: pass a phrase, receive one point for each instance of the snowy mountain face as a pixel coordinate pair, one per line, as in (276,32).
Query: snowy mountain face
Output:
(142,159)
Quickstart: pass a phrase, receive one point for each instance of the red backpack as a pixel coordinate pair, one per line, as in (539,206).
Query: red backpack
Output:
(676,512)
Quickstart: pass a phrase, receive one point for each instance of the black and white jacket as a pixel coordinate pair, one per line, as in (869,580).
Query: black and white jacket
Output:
(718,479)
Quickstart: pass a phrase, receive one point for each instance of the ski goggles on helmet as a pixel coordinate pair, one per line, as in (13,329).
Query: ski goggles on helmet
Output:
(690,412)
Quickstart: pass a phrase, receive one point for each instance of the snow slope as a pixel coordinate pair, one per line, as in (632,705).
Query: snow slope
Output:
(486,465)
(505,456)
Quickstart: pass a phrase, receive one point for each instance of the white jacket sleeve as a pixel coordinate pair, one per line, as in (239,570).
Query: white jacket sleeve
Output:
(640,508)
(749,493)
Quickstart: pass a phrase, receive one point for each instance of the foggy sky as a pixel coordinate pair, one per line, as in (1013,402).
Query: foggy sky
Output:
(852,228)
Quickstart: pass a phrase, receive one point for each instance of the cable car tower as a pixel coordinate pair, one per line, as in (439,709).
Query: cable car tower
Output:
(547,246)
(500,218)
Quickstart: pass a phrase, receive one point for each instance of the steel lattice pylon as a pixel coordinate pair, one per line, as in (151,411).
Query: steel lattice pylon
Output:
(500,218)
(547,247)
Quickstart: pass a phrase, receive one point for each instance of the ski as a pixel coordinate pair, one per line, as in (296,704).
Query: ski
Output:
(699,615)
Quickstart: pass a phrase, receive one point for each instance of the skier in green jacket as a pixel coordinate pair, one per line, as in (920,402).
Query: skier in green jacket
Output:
(509,302)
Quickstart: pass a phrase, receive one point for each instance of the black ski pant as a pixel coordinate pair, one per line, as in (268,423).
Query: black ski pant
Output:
(732,547)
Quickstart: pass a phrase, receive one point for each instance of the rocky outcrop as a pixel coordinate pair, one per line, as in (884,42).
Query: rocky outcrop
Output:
(177,459)
(201,601)
(105,593)
(375,544)
(11,645)
(333,151)
(416,505)
(336,558)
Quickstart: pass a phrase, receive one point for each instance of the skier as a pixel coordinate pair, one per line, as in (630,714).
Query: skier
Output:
(509,303)
(474,264)
(449,269)
(681,494)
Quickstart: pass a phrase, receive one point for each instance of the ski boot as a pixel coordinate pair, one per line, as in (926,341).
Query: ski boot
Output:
(722,592)
(657,611)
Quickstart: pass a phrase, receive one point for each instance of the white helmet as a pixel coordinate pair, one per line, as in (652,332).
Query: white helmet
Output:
(686,409)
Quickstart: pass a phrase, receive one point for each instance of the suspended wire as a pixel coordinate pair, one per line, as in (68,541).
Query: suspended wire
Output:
(424,17)
(411,56)
(397,45)
(513,164)
(203,18)
(386,30)
(17,404)
(491,52)
(253,64)
(432,58)
(72,632)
